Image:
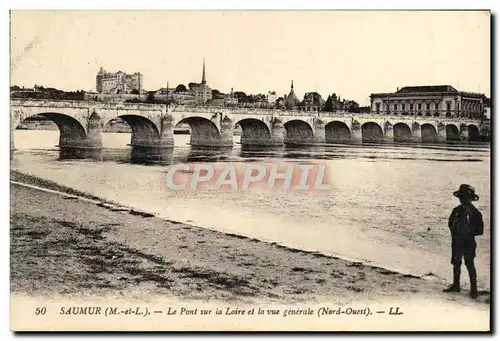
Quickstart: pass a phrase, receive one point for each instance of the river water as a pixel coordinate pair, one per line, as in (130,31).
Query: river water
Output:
(388,204)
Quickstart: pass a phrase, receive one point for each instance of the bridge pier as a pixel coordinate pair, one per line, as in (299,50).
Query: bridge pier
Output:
(74,142)
(277,133)
(416,133)
(388,133)
(441,133)
(356,133)
(75,146)
(464,132)
(319,131)
(167,132)
(226,132)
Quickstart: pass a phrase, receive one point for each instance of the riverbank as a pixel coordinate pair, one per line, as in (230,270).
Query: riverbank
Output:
(62,246)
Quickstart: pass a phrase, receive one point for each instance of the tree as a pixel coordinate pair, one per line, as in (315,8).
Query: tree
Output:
(350,105)
(331,103)
(280,103)
(181,88)
(135,92)
(151,97)
(216,94)
(241,96)
(260,97)
(364,109)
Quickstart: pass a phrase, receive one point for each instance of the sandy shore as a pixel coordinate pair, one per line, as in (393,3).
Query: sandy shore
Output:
(72,248)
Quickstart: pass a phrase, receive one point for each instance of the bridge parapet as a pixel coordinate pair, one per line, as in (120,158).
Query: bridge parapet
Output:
(128,106)
(85,104)
(254,111)
(48,103)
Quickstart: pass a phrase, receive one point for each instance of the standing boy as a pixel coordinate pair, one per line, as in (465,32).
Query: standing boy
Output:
(465,223)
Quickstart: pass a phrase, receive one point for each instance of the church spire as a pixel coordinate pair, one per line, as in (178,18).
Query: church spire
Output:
(291,87)
(203,79)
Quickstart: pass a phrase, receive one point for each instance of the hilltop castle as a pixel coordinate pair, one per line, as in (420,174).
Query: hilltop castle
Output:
(118,83)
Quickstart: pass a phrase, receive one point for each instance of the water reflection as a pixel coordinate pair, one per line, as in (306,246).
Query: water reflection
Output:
(169,156)
(69,153)
(250,151)
(304,152)
(208,154)
(150,155)
(117,149)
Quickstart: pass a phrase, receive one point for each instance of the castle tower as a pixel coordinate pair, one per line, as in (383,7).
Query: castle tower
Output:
(99,78)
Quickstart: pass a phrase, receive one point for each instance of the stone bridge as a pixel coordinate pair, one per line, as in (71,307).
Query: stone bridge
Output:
(81,124)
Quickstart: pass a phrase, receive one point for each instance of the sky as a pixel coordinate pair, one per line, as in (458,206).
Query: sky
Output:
(350,53)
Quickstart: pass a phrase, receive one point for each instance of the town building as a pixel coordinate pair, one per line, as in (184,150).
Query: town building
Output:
(202,92)
(429,100)
(271,97)
(119,82)
(487,108)
(171,96)
(231,100)
(312,102)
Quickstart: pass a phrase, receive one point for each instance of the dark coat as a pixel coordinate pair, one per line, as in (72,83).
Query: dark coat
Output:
(466,221)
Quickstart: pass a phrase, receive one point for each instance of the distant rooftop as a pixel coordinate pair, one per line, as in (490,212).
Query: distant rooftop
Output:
(427,88)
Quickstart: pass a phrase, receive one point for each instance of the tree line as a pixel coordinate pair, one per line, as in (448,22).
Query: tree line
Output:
(41,92)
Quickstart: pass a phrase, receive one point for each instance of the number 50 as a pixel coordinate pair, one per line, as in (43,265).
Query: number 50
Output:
(40,311)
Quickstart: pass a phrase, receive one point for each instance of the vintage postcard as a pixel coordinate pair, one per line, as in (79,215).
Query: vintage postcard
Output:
(250,170)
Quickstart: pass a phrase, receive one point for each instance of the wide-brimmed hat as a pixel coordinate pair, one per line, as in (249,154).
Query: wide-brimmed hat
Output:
(467,190)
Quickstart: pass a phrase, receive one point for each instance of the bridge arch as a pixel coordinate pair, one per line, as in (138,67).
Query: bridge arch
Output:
(116,125)
(337,131)
(298,132)
(145,132)
(253,131)
(371,132)
(452,132)
(473,132)
(429,132)
(402,132)
(71,131)
(204,132)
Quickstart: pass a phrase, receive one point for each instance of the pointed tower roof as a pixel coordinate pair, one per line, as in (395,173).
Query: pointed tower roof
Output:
(291,101)
(203,79)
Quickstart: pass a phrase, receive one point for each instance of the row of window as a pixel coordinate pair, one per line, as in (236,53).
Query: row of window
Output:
(418,107)
(435,114)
